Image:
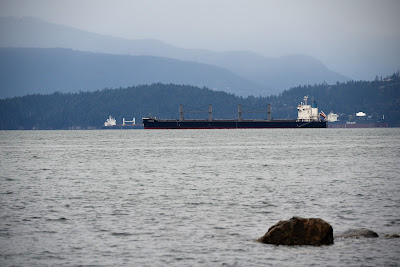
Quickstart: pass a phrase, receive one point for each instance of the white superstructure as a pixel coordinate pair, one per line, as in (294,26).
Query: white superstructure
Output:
(110,121)
(361,114)
(133,121)
(308,112)
(332,117)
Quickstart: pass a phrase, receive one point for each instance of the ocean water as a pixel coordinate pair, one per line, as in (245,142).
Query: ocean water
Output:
(195,197)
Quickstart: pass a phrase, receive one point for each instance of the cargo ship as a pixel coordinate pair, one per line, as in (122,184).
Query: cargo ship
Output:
(308,117)
(111,123)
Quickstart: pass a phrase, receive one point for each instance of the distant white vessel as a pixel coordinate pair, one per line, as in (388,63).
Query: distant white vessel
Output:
(110,122)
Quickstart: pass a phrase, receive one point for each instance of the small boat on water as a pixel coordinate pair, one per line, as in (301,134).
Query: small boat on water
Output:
(111,123)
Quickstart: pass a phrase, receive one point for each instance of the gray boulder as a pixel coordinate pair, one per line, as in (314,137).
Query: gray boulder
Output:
(357,233)
(299,231)
(392,236)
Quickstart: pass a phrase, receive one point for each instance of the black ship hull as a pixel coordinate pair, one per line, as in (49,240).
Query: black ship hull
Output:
(363,124)
(152,123)
(134,127)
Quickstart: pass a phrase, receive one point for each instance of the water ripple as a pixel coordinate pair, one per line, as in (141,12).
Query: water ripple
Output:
(195,198)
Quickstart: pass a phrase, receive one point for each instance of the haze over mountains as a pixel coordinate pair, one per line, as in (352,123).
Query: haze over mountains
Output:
(116,62)
(45,70)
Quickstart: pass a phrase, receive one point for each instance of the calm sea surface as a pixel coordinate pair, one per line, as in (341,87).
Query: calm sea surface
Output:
(195,197)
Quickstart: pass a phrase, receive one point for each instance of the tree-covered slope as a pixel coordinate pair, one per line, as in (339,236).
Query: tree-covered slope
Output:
(90,109)
(375,98)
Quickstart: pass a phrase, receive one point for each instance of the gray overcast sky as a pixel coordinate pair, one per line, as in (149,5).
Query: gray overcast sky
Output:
(333,31)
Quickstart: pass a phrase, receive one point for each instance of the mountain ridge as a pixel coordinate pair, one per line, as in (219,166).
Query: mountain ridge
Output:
(46,70)
(265,72)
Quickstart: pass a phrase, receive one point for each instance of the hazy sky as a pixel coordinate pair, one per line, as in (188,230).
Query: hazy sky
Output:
(333,31)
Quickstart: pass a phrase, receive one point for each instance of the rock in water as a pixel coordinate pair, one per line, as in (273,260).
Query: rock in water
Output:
(299,231)
(392,236)
(357,233)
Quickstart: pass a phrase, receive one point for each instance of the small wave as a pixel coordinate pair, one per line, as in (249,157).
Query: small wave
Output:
(347,218)
(49,255)
(200,203)
(18,208)
(48,232)
(78,197)
(118,213)
(121,234)
(264,212)
(394,222)
(58,219)
(5,234)
(52,210)
(348,212)
(233,234)
(184,259)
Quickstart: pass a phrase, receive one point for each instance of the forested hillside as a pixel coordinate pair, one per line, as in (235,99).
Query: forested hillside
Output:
(375,98)
(90,109)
